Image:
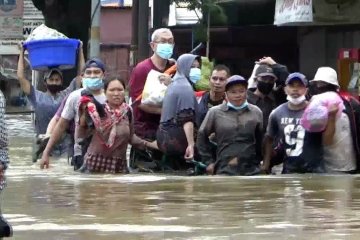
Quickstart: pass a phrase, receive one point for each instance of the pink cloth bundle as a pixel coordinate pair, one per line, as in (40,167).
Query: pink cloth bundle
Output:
(316,113)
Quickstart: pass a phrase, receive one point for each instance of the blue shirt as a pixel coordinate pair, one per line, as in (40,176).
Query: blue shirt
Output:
(45,105)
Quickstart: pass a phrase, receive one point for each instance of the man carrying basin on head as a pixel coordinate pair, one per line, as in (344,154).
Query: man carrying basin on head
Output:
(92,81)
(46,103)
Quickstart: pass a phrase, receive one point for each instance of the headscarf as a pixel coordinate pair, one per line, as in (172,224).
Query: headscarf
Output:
(105,123)
(180,93)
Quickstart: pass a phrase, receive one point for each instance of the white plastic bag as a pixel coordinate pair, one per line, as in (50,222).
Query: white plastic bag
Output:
(154,90)
(44,32)
(251,80)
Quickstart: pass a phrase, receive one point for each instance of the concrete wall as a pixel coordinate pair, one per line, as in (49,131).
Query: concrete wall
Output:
(319,46)
(115,38)
(115,25)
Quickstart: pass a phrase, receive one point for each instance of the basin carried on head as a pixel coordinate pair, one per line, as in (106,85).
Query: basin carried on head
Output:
(52,53)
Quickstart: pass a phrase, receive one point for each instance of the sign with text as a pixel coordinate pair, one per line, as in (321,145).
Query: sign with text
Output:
(30,19)
(11,8)
(293,12)
(30,11)
(9,45)
(11,27)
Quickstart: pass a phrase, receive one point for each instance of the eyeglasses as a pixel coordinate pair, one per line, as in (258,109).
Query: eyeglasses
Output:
(215,78)
(169,41)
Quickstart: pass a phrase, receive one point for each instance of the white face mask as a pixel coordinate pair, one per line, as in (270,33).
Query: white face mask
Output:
(296,101)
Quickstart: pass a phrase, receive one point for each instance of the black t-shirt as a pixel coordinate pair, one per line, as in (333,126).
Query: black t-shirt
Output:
(203,107)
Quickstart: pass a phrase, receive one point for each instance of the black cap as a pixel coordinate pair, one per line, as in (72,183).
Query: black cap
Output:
(264,70)
(51,72)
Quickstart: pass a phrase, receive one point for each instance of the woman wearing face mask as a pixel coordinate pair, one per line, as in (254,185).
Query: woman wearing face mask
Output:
(175,136)
(237,126)
(112,127)
(303,150)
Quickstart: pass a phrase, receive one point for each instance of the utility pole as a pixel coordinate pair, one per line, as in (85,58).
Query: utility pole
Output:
(134,34)
(95,29)
(143,30)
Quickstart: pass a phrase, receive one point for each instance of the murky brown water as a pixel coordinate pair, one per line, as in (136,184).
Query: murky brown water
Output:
(61,204)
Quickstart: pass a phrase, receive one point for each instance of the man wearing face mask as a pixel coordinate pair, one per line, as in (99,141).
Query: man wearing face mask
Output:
(46,103)
(92,81)
(269,92)
(147,117)
(237,126)
(263,96)
(341,145)
(303,150)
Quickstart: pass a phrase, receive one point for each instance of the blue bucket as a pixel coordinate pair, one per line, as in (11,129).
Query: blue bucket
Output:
(52,53)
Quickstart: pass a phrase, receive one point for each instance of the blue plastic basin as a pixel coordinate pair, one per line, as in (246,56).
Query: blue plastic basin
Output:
(50,53)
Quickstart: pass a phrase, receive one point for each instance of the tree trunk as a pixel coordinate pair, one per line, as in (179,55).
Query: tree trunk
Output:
(70,17)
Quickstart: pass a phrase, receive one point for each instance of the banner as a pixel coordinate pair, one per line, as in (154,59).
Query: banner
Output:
(11,27)
(293,12)
(30,19)
(11,13)
(11,8)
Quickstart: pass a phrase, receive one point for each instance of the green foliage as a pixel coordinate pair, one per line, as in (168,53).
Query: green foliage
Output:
(212,7)
(206,69)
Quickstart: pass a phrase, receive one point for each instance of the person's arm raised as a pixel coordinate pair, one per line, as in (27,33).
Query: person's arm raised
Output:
(24,83)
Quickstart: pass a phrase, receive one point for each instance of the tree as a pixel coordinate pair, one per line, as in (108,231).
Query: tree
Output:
(211,12)
(70,17)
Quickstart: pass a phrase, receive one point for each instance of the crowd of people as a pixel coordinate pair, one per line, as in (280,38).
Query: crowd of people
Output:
(237,127)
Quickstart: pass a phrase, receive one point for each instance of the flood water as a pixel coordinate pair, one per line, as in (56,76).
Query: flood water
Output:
(61,204)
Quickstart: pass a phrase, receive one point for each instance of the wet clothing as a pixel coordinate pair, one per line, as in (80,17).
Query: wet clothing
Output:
(4,142)
(266,105)
(46,105)
(179,107)
(111,135)
(347,133)
(70,112)
(340,156)
(171,138)
(179,95)
(145,123)
(239,139)
(303,150)
(204,104)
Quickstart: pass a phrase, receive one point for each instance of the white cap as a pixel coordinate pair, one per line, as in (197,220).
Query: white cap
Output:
(326,74)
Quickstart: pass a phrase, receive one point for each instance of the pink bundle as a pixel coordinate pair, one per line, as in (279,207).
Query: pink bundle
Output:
(316,113)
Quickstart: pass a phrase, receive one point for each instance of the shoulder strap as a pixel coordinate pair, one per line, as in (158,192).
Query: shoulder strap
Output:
(129,114)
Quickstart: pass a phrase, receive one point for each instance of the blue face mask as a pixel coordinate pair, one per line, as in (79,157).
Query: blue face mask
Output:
(195,75)
(93,83)
(237,108)
(164,50)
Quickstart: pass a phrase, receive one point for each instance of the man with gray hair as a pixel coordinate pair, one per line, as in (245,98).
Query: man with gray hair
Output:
(147,117)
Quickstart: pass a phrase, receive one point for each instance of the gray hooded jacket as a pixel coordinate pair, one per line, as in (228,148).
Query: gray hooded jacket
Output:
(180,94)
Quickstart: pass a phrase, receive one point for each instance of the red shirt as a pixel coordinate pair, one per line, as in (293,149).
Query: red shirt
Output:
(145,124)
